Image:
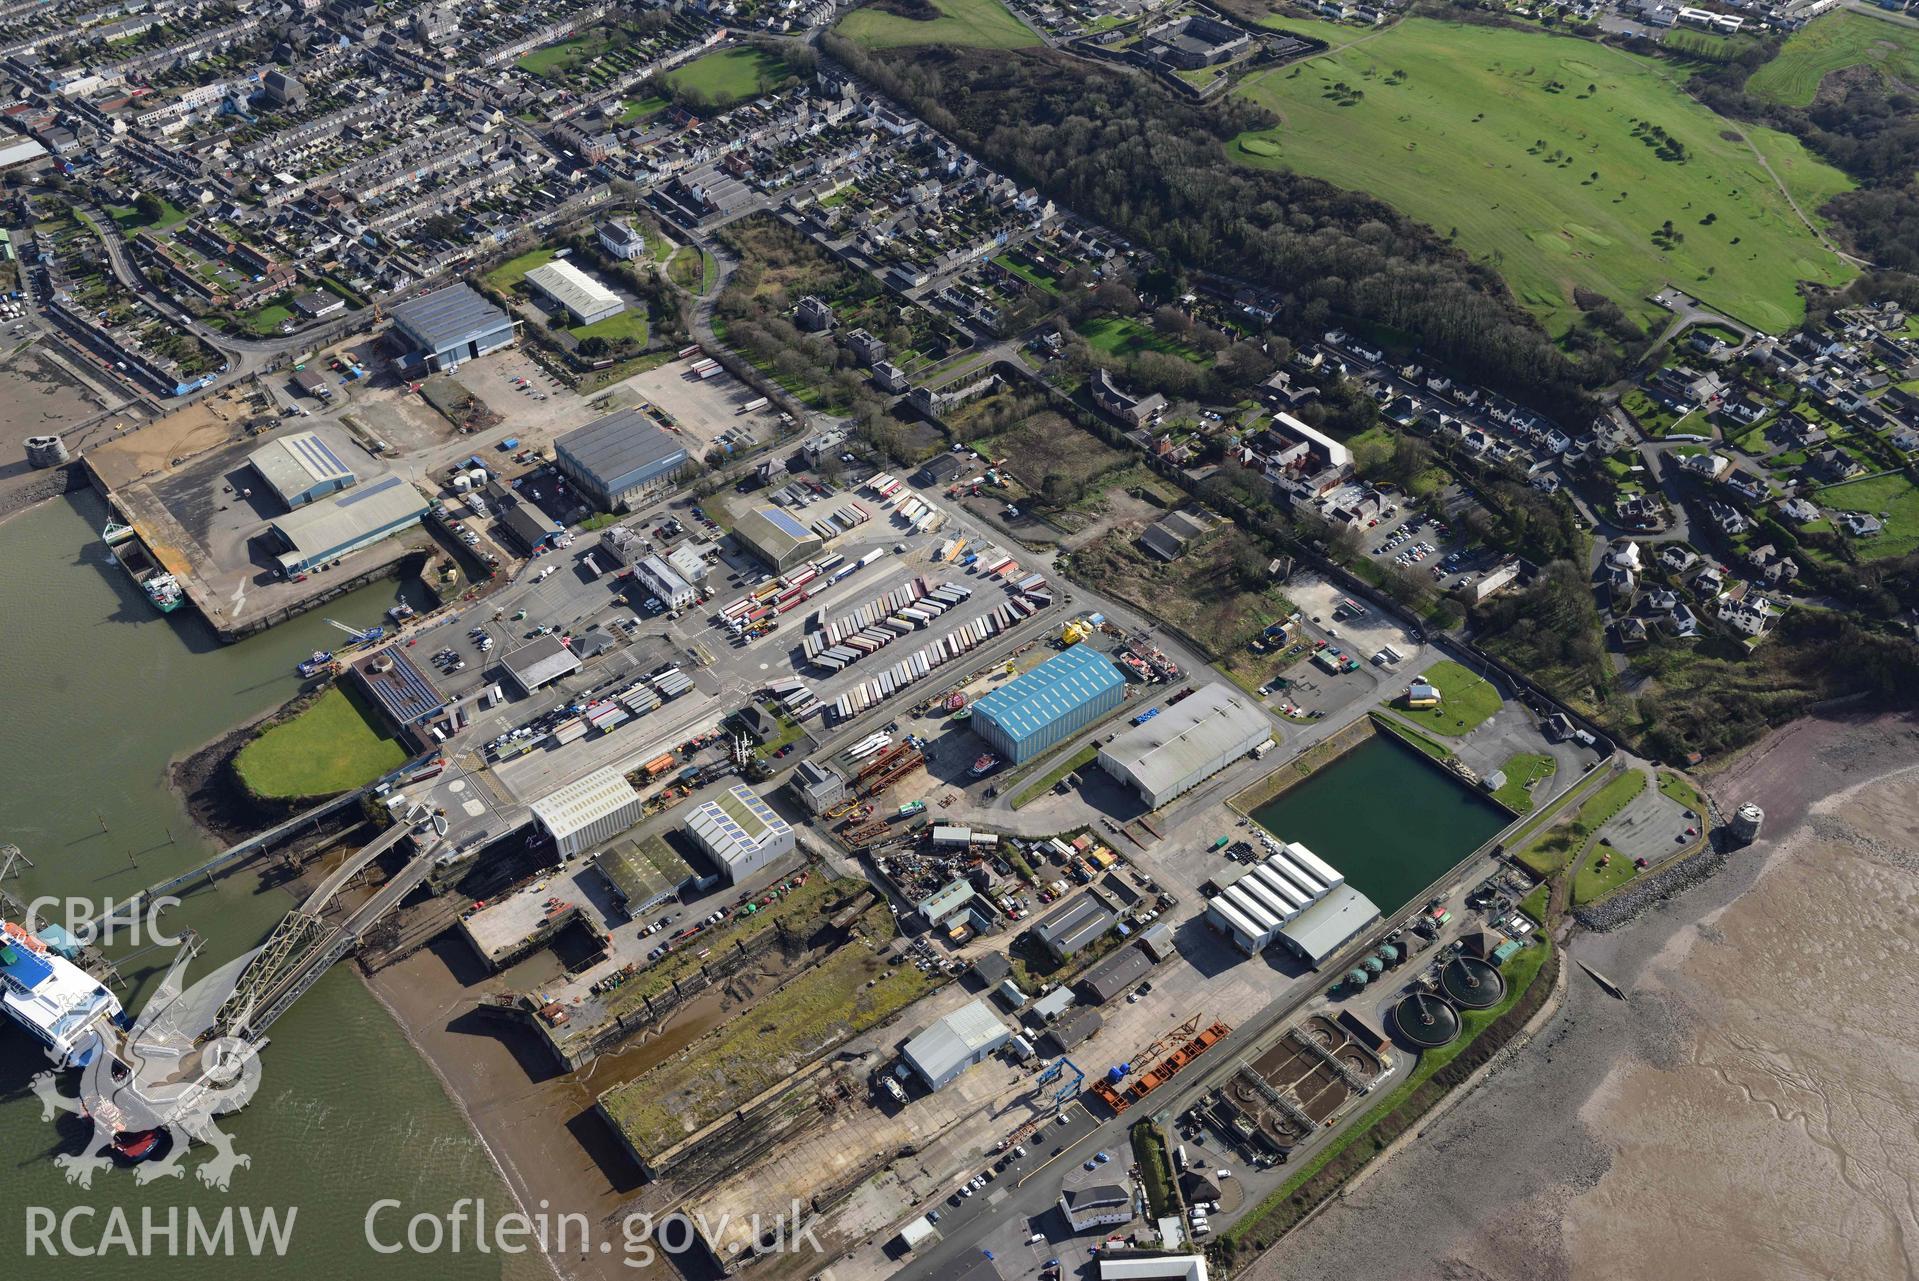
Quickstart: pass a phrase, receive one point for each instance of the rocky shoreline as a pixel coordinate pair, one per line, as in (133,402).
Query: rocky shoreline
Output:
(214,799)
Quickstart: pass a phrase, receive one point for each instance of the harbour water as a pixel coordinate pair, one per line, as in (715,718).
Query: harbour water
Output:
(1390,821)
(99,693)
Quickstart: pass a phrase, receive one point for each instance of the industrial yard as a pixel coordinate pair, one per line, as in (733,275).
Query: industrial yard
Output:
(814,836)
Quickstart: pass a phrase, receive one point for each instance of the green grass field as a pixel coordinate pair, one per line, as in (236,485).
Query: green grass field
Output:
(513,270)
(328,747)
(730,75)
(1522,770)
(1496,134)
(1844,39)
(640,108)
(1893,499)
(630,323)
(974,24)
(267,321)
(565,55)
(1122,336)
(1466,701)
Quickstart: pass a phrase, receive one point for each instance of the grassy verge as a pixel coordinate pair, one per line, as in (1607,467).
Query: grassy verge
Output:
(1407,734)
(1045,783)
(1551,853)
(329,746)
(1483,1033)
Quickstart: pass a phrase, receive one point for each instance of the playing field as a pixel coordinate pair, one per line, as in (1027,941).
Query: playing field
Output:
(729,75)
(977,24)
(1832,43)
(1558,161)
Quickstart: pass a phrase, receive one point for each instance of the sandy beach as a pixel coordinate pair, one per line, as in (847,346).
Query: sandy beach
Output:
(1747,1113)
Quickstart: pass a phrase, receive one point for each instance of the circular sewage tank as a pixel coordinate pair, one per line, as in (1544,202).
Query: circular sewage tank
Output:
(1472,983)
(1426,1021)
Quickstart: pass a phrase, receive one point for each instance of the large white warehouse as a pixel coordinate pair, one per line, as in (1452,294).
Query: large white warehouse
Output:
(588,812)
(1186,743)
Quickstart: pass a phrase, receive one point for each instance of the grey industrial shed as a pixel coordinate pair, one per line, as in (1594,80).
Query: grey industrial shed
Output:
(620,458)
(1072,925)
(958,1041)
(445,328)
(1115,976)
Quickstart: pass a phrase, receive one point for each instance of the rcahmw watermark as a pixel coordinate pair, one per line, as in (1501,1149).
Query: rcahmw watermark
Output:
(155,1232)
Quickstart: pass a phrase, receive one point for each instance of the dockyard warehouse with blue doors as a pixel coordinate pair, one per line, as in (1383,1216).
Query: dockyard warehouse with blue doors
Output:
(302,468)
(444,329)
(1049,704)
(619,459)
(324,531)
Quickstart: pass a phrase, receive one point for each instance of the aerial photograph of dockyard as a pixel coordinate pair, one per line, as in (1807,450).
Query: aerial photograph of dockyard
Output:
(959,640)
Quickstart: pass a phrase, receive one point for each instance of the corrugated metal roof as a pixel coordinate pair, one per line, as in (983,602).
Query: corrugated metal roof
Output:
(584,802)
(539,661)
(1074,924)
(324,526)
(294,464)
(571,287)
(736,824)
(1320,929)
(1061,684)
(1112,976)
(620,445)
(1165,751)
(955,1039)
(773,533)
(447,316)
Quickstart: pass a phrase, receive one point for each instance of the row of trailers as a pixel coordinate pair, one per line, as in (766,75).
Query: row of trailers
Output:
(918,514)
(922,663)
(606,714)
(881,621)
(758,611)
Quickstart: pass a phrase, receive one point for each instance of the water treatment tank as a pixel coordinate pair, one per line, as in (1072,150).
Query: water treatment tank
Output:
(1426,1021)
(1746,821)
(1358,978)
(1388,953)
(1373,965)
(1471,983)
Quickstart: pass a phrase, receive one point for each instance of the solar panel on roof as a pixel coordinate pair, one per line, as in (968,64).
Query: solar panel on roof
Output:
(365,492)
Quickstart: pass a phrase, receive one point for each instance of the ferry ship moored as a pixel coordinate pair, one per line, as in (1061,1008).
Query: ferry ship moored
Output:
(60,1003)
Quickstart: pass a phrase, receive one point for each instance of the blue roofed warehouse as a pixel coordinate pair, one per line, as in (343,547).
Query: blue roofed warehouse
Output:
(1049,704)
